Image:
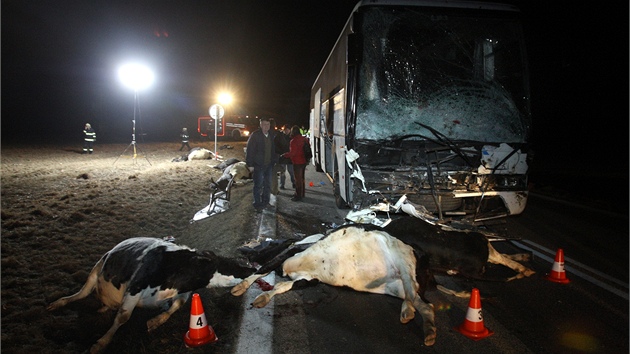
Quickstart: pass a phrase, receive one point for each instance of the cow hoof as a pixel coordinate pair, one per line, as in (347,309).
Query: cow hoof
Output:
(96,348)
(261,300)
(155,322)
(429,340)
(407,313)
(406,317)
(52,307)
(55,305)
(240,289)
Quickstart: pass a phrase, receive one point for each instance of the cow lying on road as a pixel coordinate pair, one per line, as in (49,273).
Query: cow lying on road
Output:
(398,260)
(455,252)
(370,261)
(149,272)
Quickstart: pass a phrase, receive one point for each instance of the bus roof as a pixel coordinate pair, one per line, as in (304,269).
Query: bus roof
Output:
(479,5)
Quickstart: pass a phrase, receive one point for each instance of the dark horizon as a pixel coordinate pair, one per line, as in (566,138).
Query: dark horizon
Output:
(59,70)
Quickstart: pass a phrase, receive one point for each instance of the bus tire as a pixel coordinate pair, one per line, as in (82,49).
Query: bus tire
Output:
(236,135)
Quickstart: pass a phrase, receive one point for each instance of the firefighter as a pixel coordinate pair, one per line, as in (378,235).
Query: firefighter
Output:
(185,137)
(89,137)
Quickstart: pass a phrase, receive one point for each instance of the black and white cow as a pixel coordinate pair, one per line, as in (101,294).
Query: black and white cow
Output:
(398,260)
(149,272)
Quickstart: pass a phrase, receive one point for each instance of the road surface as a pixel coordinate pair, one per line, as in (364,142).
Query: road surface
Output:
(533,315)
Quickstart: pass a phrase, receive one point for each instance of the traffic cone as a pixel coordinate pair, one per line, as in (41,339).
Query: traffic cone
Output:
(473,326)
(557,273)
(199,332)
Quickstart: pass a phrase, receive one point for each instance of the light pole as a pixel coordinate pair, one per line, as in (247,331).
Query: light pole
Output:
(137,77)
(216,112)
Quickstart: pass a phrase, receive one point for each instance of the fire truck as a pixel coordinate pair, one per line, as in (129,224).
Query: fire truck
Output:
(235,126)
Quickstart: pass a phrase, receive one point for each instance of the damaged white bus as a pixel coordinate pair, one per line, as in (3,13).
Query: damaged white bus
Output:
(426,103)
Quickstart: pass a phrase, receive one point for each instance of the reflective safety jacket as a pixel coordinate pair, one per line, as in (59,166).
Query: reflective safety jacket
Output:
(89,135)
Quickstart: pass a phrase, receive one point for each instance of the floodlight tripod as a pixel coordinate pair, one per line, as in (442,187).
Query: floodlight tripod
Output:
(133,143)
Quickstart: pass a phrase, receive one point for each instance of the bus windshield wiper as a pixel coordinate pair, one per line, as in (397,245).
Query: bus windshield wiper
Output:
(445,141)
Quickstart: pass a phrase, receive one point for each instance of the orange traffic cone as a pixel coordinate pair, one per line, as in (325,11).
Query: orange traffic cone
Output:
(557,273)
(473,326)
(199,332)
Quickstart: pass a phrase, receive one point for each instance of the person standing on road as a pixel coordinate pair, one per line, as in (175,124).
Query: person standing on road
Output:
(185,137)
(282,142)
(89,137)
(296,154)
(260,157)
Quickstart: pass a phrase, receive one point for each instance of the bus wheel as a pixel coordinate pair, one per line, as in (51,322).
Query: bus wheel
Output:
(236,134)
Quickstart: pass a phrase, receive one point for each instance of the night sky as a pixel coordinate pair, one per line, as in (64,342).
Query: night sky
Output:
(59,63)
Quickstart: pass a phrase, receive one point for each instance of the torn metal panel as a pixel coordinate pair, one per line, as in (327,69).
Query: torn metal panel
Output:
(370,215)
(463,180)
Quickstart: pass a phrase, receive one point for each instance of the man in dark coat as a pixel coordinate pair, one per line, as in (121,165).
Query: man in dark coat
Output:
(260,157)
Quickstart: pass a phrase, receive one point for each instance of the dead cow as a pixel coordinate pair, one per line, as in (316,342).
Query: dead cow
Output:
(455,252)
(149,272)
(231,172)
(398,260)
(364,260)
(195,154)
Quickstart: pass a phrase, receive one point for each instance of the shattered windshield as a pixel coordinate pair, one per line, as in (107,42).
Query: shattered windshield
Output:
(462,76)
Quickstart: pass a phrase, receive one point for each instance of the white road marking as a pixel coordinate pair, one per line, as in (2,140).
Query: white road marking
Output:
(571,266)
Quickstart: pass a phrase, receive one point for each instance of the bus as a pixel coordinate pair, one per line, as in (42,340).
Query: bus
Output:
(427,101)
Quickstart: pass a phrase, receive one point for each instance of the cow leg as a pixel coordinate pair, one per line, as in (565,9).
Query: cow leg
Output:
(497,258)
(408,277)
(86,290)
(240,288)
(519,257)
(263,299)
(123,315)
(157,321)
(428,317)
(447,291)
(407,312)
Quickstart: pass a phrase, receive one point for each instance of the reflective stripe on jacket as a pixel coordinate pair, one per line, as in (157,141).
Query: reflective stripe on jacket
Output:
(89,135)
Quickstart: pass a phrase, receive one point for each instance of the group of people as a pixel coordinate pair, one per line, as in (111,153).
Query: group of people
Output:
(270,152)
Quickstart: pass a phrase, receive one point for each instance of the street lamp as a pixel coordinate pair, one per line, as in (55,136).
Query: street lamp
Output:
(136,77)
(225,98)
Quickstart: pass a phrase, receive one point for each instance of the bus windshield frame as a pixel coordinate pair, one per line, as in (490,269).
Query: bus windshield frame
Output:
(459,72)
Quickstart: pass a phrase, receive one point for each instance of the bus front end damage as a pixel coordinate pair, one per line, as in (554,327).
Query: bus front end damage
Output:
(460,183)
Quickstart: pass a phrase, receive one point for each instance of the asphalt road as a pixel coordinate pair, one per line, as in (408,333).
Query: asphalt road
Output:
(533,315)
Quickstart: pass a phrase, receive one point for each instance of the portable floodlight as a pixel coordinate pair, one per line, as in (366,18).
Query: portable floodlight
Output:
(136,77)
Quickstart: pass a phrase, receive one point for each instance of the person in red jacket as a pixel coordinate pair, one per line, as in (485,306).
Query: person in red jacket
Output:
(296,154)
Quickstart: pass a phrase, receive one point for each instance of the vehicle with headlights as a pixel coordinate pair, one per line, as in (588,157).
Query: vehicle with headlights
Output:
(236,127)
